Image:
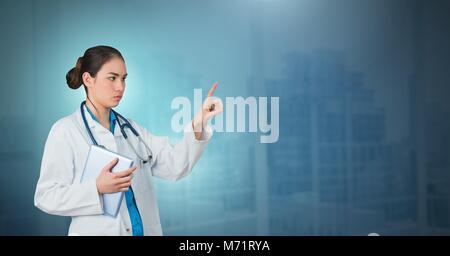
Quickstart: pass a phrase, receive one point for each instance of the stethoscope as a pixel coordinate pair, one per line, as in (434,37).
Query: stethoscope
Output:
(122,127)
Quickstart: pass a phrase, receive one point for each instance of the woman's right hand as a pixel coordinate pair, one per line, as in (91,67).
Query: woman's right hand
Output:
(108,182)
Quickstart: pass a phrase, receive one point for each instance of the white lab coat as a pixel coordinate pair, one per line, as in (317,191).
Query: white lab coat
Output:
(60,192)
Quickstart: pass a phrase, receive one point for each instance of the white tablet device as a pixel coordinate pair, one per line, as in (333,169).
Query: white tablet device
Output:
(98,158)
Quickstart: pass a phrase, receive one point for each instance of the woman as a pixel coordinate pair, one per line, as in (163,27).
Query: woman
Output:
(59,190)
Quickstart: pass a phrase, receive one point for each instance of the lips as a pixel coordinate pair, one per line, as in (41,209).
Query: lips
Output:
(117,97)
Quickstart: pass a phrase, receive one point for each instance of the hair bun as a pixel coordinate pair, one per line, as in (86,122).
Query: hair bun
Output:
(73,77)
(79,62)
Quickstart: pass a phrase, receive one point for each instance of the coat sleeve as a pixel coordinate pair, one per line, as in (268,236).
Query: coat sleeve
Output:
(173,162)
(56,192)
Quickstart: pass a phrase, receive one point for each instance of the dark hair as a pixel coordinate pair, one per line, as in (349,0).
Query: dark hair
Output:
(91,62)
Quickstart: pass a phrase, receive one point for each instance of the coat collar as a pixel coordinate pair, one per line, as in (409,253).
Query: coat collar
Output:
(94,125)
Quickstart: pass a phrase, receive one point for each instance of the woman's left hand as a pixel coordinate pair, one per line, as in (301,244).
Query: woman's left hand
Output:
(211,107)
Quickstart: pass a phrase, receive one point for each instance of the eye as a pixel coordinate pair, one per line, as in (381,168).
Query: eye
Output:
(112,78)
(123,79)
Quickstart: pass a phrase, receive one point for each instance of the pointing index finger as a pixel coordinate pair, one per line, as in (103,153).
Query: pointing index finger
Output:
(213,88)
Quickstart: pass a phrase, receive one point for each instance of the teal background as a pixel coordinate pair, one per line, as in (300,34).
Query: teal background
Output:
(364,113)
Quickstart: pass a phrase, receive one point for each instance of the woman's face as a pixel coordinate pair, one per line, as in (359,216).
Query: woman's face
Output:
(108,87)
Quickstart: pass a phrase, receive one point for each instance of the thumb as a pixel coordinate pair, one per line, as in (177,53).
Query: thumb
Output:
(110,165)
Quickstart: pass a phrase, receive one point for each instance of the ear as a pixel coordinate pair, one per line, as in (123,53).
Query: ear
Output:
(88,80)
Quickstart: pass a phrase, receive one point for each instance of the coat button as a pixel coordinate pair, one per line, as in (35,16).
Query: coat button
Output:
(128,230)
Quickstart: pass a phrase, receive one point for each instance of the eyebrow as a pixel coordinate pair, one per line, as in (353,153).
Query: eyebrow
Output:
(115,74)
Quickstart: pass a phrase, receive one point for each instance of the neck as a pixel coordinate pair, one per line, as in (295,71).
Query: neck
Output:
(100,112)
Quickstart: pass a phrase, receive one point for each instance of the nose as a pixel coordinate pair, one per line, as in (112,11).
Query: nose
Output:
(120,86)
